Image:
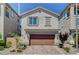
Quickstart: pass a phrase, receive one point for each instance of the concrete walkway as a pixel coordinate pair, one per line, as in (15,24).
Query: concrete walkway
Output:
(36,49)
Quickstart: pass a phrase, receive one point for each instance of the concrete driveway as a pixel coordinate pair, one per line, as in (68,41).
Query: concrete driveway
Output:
(43,49)
(36,49)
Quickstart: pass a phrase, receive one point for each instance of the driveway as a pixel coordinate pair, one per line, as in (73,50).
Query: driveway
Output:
(37,49)
(43,49)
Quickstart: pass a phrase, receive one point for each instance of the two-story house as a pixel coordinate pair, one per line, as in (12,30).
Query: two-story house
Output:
(69,19)
(9,20)
(39,26)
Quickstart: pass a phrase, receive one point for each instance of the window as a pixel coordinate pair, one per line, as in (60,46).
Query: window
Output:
(47,21)
(67,13)
(18,20)
(12,13)
(75,10)
(7,12)
(0,9)
(77,22)
(78,10)
(33,21)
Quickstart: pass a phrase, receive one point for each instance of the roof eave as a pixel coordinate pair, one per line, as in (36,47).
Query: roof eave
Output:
(25,13)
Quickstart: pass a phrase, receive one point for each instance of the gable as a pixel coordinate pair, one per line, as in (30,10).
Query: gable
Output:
(39,10)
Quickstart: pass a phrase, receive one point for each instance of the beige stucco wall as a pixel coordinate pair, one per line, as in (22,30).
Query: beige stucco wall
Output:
(41,25)
(41,19)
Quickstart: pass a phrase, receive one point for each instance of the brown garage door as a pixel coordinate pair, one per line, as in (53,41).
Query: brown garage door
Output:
(41,39)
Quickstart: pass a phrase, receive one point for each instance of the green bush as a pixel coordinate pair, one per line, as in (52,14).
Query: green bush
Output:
(0,36)
(1,48)
(13,34)
(13,50)
(22,46)
(2,43)
(67,49)
(8,45)
(19,50)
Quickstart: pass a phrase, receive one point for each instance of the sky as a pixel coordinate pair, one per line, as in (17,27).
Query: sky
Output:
(54,7)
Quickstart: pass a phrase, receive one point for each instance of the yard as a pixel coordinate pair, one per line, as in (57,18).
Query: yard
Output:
(21,48)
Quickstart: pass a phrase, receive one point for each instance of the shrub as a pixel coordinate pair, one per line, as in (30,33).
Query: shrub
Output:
(8,44)
(67,49)
(1,48)
(13,50)
(63,38)
(22,46)
(19,50)
(13,34)
(2,43)
(0,36)
(61,45)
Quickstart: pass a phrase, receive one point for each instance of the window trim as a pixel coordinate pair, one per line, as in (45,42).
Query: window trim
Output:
(7,10)
(0,10)
(33,24)
(77,21)
(49,25)
(75,10)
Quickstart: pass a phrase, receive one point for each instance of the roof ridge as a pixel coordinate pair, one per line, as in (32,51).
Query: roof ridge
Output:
(39,8)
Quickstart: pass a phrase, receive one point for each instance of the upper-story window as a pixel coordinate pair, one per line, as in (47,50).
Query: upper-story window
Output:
(0,9)
(77,21)
(76,10)
(7,12)
(47,21)
(13,13)
(67,13)
(33,21)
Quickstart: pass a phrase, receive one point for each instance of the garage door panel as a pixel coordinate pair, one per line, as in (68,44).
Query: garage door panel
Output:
(41,36)
(42,42)
(41,39)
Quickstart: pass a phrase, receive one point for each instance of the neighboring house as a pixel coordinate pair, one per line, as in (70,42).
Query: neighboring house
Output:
(39,27)
(9,20)
(69,22)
